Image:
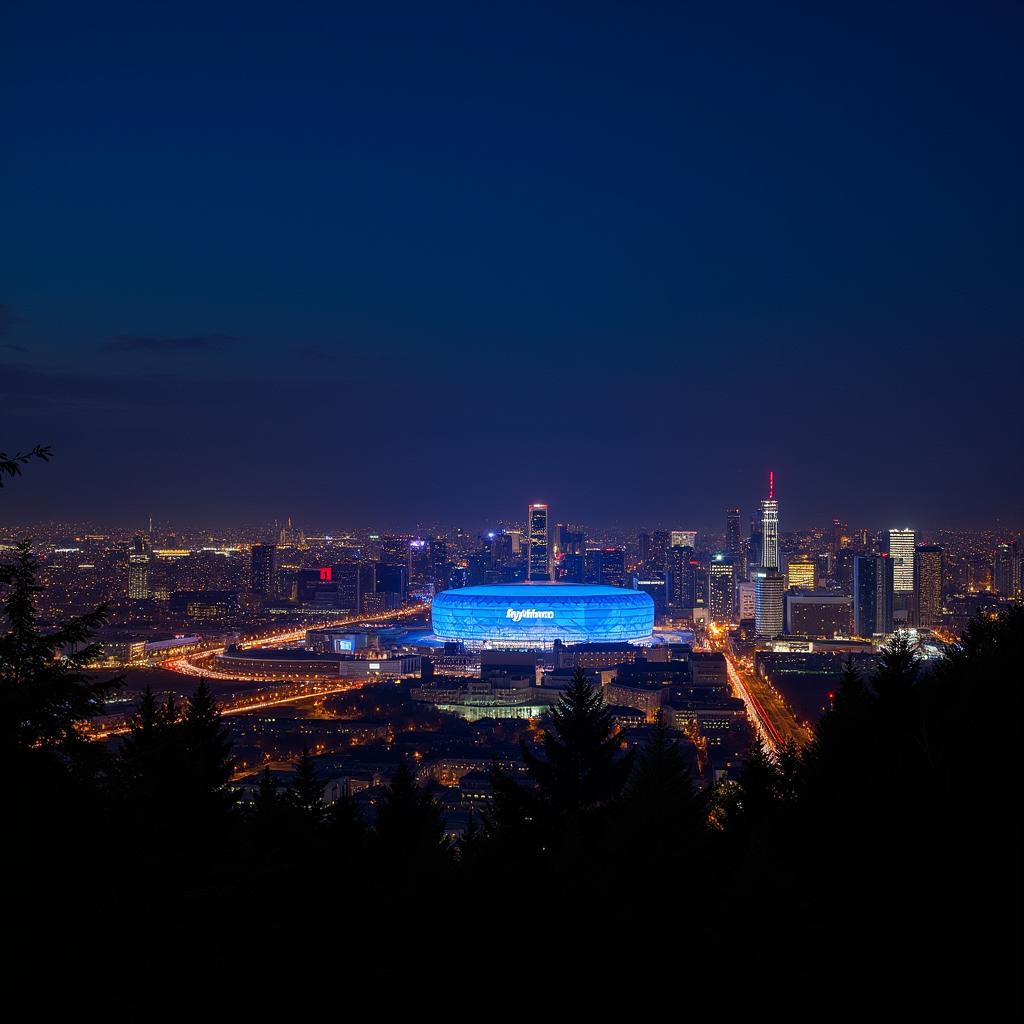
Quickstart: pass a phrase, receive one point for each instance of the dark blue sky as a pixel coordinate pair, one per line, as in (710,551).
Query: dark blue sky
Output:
(378,265)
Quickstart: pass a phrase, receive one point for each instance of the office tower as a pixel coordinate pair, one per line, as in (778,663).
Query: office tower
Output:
(264,569)
(659,550)
(821,614)
(733,539)
(138,572)
(605,566)
(770,529)
(683,538)
(873,581)
(1005,569)
(801,573)
(901,548)
(721,585)
(681,583)
(769,605)
(929,585)
(537,552)
(643,543)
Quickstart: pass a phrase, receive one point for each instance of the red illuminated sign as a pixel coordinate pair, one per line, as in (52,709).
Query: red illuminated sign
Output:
(325,574)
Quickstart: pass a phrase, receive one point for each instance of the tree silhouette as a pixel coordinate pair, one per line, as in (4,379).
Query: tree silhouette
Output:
(306,794)
(10,465)
(205,746)
(45,693)
(410,825)
(663,815)
(581,774)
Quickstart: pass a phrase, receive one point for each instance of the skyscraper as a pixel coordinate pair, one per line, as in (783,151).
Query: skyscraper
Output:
(138,571)
(1004,569)
(769,603)
(770,528)
(872,595)
(733,538)
(264,569)
(929,585)
(902,546)
(537,531)
(721,584)
(644,547)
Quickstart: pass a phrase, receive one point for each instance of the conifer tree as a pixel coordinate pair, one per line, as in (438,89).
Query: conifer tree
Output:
(662,812)
(307,792)
(581,773)
(410,826)
(45,693)
(205,746)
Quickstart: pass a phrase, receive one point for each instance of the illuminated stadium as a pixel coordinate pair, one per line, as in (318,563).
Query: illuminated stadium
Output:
(536,614)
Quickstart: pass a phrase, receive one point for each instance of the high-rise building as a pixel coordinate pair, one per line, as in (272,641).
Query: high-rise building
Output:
(537,531)
(770,529)
(1005,568)
(659,550)
(682,589)
(721,587)
(138,576)
(644,547)
(929,585)
(733,537)
(801,573)
(901,547)
(769,603)
(264,570)
(872,595)
(605,566)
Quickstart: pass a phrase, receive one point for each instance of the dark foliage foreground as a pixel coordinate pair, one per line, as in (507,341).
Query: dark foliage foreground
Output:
(875,873)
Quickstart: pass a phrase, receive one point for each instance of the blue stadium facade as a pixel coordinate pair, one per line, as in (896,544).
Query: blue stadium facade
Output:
(537,614)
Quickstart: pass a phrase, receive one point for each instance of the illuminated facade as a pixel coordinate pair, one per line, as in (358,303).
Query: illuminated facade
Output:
(801,573)
(902,548)
(535,615)
(929,585)
(769,606)
(721,588)
(770,529)
(537,533)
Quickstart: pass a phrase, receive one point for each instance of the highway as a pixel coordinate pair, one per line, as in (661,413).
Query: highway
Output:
(774,722)
(199,664)
(284,691)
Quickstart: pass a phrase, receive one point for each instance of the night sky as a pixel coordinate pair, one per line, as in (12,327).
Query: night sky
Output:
(373,265)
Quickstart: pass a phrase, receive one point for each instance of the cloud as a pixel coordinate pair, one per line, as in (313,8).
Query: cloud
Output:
(147,343)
